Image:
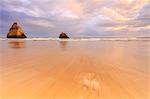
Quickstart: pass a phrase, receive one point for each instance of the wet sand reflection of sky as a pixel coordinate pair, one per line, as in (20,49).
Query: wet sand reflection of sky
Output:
(86,70)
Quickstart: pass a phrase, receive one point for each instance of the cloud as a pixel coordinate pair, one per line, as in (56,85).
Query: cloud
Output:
(41,23)
(78,17)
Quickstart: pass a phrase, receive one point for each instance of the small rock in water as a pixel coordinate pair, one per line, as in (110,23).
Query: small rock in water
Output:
(63,35)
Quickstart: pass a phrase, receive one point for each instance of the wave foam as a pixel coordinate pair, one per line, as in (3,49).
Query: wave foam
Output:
(84,39)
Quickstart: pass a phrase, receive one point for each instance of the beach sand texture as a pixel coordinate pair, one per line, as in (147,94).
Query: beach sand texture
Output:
(74,69)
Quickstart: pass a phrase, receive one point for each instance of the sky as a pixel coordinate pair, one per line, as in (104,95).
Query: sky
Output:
(78,18)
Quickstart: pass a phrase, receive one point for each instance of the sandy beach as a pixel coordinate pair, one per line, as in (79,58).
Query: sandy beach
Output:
(74,69)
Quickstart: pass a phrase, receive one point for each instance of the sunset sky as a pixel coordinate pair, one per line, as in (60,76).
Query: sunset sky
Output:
(78,18)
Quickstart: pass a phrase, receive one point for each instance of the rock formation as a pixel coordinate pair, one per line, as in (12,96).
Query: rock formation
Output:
(16,31)
(63,35)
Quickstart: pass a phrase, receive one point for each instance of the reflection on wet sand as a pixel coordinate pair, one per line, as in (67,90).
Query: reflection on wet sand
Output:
(63,45)
(17,44)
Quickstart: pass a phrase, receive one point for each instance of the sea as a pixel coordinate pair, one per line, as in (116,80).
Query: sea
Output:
(85,39)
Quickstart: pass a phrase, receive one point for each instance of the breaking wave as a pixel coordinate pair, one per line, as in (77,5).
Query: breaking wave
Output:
(85,39)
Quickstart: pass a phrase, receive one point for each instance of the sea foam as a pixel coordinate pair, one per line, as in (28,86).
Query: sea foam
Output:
(85,39)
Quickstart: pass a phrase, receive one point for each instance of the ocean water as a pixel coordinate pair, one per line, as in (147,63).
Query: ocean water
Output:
(88,39)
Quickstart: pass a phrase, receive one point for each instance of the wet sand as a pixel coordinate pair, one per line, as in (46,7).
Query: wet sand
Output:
(74,69)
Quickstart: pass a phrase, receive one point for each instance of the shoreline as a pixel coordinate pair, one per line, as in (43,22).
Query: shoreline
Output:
(85,39)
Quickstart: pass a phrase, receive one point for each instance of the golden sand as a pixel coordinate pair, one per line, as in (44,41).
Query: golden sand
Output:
(74,70)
